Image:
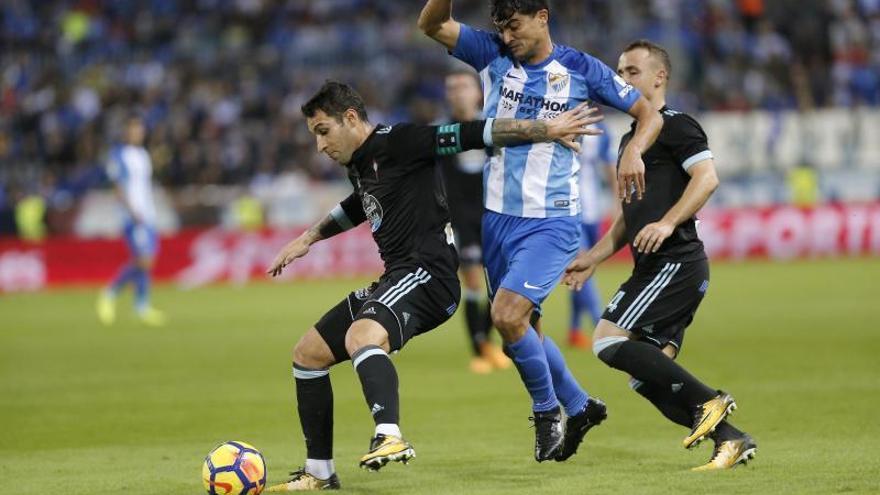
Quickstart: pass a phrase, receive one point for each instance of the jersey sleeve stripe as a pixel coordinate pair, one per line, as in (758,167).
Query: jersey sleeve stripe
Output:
(697,158)
(341,218)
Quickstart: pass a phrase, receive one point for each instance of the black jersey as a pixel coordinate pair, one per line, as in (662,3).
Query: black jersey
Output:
(463,174)
(681,144)
(397,189)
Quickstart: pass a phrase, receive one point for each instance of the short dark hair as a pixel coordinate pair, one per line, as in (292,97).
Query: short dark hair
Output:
(503,10)
(466,72)
(334,98)
(655,50)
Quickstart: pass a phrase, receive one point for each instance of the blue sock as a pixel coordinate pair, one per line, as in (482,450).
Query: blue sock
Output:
(587,299)
(577,309)
(570,393)
(531,362)
(141,289)
(126,274)
(592,301)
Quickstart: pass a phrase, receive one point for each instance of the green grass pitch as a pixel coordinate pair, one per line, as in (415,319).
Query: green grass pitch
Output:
(92,410)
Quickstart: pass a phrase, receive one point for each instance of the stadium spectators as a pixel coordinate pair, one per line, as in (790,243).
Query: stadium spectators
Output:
(220,82)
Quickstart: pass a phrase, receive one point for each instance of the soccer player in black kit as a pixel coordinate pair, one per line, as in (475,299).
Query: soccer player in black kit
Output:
(463,174)
(642,329)
(398,192)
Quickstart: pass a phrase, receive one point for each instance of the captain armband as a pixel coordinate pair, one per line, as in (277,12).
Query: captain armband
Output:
(458,137)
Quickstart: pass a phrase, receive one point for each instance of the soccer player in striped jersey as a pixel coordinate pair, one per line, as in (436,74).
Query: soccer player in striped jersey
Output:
(531,229)
(131,171)
(642,329)
(398,191)
(598,163)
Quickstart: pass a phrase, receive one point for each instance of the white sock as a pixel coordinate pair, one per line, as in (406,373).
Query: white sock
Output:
(388,429)
(319,468)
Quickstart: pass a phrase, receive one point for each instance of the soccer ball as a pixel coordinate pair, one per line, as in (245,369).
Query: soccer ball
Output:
(234,468)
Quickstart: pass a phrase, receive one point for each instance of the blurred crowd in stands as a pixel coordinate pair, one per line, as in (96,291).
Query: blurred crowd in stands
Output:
(220,82)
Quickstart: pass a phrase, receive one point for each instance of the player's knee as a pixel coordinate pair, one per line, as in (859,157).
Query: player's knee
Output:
(509,322)
(312,352)
(360,335)
(606,347)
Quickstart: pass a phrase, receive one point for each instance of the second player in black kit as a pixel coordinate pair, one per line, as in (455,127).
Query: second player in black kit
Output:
(678,268)
(398,192)
(642,329)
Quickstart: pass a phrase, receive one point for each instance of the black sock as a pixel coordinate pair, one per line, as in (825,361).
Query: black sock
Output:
(667,404)
(648,364)
(475,316)
(379,382)
(314,401)
(487,318)
(725,431)
(664,401)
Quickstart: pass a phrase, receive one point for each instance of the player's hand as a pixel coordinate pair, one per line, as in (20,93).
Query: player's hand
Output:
(579,271)
(631,176)
(651,237)
(568,126)
(294,249)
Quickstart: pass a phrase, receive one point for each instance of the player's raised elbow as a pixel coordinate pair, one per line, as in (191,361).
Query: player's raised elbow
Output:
(444,31)
(427,25)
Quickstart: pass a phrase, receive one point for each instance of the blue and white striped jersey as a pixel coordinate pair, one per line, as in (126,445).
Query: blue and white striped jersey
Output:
(130,167)
(536,180)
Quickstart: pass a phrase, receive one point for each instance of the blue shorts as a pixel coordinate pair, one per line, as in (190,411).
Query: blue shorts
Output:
(142,240)
(528,255)
(590,235)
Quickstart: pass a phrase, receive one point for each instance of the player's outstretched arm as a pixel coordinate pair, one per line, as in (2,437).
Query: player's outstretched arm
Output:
(703,183)
(585,264)
(334,223)
(564,129)
(631,173)
(436,21)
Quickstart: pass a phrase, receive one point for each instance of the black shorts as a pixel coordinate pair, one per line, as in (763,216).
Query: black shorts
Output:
(659,300)
(406,302)
(467,241)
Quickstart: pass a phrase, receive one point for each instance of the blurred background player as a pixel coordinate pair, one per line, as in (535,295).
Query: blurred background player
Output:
(130,169)
(642,329)
(598,164)
(530,226)
(463,174)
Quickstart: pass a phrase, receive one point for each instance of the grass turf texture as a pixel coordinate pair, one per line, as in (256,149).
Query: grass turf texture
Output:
(92,410)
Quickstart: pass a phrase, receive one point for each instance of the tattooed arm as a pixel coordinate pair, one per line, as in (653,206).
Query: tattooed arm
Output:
(563,129)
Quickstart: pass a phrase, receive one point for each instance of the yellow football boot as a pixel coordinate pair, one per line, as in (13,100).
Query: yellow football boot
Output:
(301,481)
(385,449)
(707,417)
(152,317)
(106,308)
(730,453)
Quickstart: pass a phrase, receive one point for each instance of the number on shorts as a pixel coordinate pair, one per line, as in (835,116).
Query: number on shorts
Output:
(615,300)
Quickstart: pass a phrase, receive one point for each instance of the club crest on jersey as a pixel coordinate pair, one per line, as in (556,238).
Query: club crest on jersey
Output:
(625,88)
(373,211)
(557,82)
